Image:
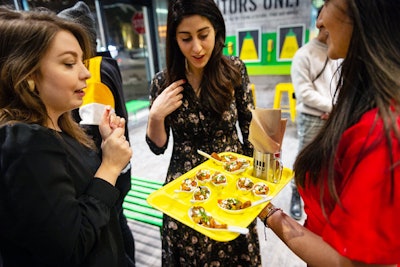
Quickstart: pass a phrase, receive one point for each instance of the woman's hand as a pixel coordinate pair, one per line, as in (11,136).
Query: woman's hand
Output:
(168,101)
(109,122)
(116,154)
(116,150)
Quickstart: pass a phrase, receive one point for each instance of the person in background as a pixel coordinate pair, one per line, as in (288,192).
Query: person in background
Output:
(314,81)
(349,175)
(104,88)
(57,197)
(200,97)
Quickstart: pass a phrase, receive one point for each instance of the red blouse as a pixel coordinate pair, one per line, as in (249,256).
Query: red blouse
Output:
(366,227)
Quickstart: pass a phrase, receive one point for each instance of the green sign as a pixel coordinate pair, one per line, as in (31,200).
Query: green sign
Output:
(265,34)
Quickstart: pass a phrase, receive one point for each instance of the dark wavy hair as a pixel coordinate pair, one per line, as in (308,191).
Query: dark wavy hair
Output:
(25,38)
(369,79)
(220,76)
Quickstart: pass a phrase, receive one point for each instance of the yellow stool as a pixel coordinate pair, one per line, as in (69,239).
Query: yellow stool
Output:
(291,108)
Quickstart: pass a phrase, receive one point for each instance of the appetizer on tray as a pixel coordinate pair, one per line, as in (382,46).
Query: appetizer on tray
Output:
(236,166)
(214,159)
(224,158)
(261,190)
(188,185)
(245,184)
(237,206)
(203,175)
(204,219)
(201,194)
(233,205)
(219,179)
(199,215)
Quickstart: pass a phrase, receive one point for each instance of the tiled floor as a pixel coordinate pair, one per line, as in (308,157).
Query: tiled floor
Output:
(146,164)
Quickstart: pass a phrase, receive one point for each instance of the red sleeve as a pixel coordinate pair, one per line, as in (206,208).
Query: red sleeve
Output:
(366,228)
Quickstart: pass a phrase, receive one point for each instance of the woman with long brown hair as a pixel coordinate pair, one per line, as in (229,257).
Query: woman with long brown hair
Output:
(57,197)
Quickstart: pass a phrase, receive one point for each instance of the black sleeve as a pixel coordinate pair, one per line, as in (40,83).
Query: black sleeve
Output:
(155,89)
(42,208)
(111,76)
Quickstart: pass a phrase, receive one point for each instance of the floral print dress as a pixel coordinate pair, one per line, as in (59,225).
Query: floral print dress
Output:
(195,128)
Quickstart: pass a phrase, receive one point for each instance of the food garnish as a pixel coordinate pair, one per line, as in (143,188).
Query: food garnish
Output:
(233,204)
(223,158)
(218,178)
(228,158)
(201,193)
(203,175)
(203,218)
(216,156)
(245,183)
(261,189)
(235,165)
(188,184)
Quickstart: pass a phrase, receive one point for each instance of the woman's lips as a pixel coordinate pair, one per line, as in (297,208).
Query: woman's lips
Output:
(80,92)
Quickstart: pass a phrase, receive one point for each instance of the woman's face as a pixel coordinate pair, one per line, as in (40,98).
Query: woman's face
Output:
(62,75)
(196,39)
(338,25)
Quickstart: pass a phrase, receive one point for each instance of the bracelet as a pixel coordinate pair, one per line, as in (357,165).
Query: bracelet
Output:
(271,210)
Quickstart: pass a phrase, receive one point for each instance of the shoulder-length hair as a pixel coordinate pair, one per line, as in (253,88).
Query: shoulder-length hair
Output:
(369,79)
(220,76)
(25,38)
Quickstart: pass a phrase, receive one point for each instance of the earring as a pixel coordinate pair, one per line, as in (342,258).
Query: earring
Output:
(187,67)
(31,84)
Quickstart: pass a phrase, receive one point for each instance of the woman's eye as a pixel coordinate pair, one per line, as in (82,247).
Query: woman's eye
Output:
(203,37)
(186,39)
(69,65)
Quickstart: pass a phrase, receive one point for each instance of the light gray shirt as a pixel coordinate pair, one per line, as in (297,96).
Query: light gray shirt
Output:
(314,97)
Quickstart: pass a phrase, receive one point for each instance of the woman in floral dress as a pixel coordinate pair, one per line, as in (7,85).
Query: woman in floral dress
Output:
(201,98)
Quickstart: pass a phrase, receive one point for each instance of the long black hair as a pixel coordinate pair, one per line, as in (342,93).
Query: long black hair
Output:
(220,77)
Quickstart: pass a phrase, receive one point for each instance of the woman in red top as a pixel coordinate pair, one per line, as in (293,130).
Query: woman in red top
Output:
(349,176)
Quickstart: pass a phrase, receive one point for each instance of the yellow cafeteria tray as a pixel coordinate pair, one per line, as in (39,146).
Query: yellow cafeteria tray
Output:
(177,204)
